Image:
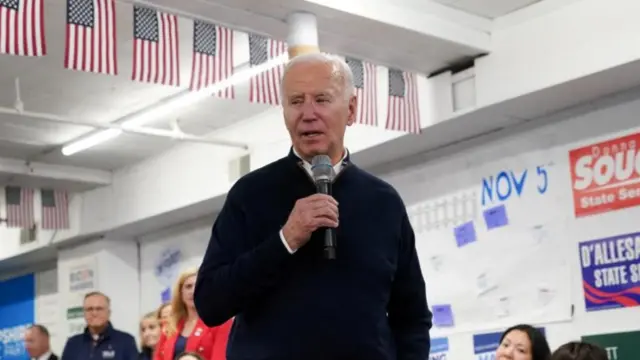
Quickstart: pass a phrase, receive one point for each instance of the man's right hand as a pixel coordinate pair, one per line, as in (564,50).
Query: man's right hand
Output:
(308,215)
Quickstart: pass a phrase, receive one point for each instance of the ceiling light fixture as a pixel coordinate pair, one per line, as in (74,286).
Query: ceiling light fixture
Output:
(171,105)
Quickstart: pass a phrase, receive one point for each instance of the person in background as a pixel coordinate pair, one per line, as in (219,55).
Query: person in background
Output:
(38,343)
(149,335)
(99,340)
(265,263)
(185,331)
(577,350)
(189,356)
(164,314)
(523,342)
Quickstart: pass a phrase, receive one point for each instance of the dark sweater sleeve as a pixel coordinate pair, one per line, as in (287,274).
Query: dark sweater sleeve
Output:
(234,271)
(409,315)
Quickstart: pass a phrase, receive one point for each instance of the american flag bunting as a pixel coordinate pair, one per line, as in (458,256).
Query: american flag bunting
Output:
(22,28)
(365,82)
(55,209)
(19,207)
(265,87)
(156,54)
(403,113)
(212,57)
(91,36)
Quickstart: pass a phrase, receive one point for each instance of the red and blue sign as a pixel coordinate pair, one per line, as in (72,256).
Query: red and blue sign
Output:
(611,272)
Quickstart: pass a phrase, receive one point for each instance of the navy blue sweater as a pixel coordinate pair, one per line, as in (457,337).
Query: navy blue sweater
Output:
(112,345)
(370,303)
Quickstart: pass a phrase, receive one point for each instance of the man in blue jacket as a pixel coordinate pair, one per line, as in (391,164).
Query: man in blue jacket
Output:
(265,265)
(99,341)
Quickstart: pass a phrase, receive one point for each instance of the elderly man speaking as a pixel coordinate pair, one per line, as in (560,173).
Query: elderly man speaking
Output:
(265,262)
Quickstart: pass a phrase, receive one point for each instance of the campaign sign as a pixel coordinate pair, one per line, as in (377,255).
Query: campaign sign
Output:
(619,346)
(485,345)
(606,176)
(611,272)
(439,349)
(17,313)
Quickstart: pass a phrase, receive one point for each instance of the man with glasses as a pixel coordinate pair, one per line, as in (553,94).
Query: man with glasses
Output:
(99,341)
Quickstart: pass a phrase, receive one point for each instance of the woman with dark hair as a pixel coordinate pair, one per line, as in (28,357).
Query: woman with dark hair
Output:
(577,350)
(523,342)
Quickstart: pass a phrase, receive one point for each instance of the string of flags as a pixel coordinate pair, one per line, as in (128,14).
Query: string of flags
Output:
(20,208)
(91,46)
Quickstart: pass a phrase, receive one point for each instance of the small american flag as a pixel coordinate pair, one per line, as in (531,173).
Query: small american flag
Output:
(55,209)
(403,113)
(91,36)
(156,55)
(365,82)
(20,212)
(22,28)
(265,87)
(212,57)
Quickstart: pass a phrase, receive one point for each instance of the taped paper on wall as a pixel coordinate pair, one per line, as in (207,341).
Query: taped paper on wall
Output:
(442,315)
(465,234)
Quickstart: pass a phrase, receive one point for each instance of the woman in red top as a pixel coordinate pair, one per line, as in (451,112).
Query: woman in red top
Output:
(185,332)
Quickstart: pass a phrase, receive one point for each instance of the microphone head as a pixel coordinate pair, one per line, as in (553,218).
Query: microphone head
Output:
(322,168)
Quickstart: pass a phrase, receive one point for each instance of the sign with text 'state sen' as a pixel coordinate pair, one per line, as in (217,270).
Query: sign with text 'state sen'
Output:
(606,176)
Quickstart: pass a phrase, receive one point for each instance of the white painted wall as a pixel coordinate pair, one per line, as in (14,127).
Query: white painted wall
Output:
(190,240)
(465,170)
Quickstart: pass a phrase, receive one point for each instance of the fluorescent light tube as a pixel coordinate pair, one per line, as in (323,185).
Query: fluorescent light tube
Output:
(170,106)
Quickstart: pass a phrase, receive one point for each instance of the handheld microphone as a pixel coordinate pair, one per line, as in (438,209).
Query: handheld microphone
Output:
(323,177)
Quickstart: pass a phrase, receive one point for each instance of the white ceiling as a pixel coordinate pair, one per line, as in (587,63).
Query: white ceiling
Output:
(45,86)
(488,8)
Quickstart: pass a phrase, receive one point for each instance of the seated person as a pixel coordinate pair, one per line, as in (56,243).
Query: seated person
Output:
(523,342)
(577,350)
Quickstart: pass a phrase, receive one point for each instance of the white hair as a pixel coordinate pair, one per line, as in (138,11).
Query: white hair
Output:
(337,63)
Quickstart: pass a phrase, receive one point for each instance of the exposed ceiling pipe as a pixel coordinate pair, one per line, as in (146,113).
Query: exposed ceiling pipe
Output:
(173,134)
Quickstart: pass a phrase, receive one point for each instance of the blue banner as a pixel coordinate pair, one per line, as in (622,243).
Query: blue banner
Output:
(611,272)
(17,313)
(439,349)
(485,345)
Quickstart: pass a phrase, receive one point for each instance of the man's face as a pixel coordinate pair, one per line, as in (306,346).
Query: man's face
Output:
(36,342)
(316,109)
(96,311)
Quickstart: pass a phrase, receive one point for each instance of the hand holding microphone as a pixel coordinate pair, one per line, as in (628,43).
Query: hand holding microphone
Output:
(316,211)
(309,214)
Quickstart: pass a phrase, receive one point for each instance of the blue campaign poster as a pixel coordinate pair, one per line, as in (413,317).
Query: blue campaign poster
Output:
(485,345)
(439,349)
(611,272)
(17,313)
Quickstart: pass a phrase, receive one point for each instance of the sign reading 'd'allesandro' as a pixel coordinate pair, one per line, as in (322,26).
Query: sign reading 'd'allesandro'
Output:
(619,346)
(611,272)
